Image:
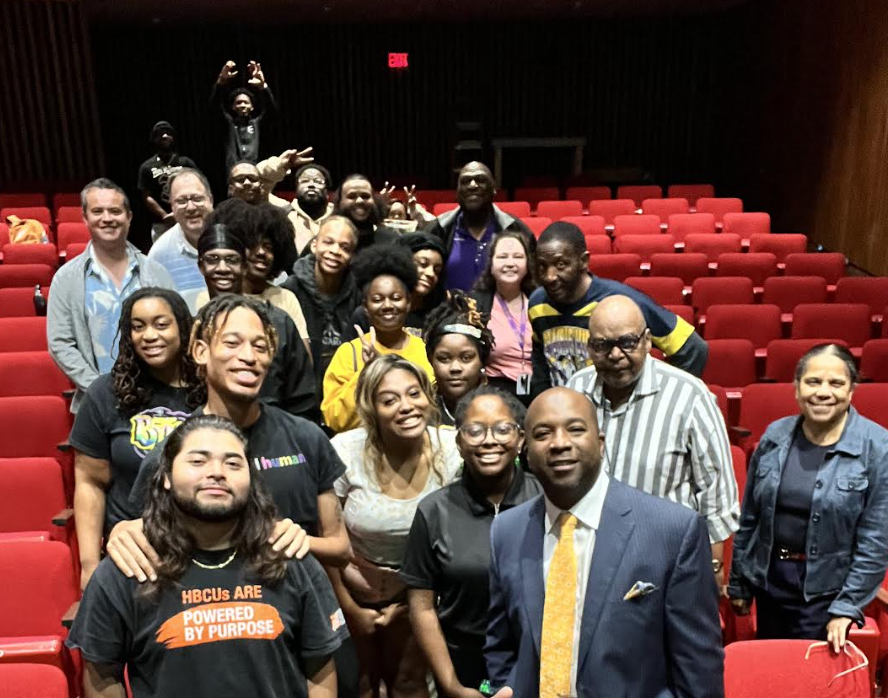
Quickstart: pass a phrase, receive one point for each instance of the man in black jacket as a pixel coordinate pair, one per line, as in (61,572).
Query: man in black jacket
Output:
(468,230)
(243,109)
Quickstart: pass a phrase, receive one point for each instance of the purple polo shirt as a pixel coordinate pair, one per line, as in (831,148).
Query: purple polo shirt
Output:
(468,256)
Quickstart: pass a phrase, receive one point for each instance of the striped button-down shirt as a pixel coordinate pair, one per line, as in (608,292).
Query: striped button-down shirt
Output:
(669,439)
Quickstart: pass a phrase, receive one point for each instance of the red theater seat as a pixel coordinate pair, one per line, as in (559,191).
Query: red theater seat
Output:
(757,266)
(829,265)
(31,254)
(639,192)
(761,404)
(691,192)
(784,355)
(685,312)
(636,225)
(71,232)
(683,224)
(18,275)
(780,246)
(65,198)
(664,208)
(589,225)
(847,321)
(19,302)
(35,426)
(29,680)
(598,244)
(611,208)
(588,193)
(874,361)
(69,214)
(32,499)
(871,400)
(615,266)
(789,291)
(38,213)
(559,210)
(22,200)
(757,323)
(719,206)
(533,195)
(518,209)
(720,290)
(536,224)
(872,290)
(430,197)
(731,363)
(665,290)
(31,373)
(712,245)
(75,248)
(22,334)
(747,224)
(441,209)
(688,266)
(644,245)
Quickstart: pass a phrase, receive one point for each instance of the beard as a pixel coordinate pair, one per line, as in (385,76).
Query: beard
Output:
(210,513)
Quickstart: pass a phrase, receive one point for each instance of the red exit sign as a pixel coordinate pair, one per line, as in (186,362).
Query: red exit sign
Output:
(398,60)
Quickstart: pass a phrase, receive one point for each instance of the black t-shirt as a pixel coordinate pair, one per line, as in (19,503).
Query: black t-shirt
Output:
(217,633)
(290,382)
(294,458)
(448,551)
(101,432)
(154,176)
(796,492)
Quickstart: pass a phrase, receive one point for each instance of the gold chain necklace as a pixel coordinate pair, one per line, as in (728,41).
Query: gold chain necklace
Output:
(215,567)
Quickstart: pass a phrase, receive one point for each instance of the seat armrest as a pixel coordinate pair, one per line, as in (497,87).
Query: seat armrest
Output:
(63,517)
(64,447)
(70,615)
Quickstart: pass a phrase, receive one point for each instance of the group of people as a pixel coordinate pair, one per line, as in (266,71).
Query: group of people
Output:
(433,458)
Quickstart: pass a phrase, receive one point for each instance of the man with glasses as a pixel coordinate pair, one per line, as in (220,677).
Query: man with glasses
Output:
(192,202)
(664,433)
(559,313)
(245,183)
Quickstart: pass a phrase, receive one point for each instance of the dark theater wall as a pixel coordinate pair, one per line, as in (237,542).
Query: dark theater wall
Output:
(48,117)
(641,90)
(810,133)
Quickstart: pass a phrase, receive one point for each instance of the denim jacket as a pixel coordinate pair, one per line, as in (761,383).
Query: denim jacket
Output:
(847,543)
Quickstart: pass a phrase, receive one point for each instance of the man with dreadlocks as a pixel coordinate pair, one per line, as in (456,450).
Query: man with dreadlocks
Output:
(225,616)
(232,344)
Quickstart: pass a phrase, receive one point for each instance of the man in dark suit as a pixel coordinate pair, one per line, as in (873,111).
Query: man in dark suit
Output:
(598,589)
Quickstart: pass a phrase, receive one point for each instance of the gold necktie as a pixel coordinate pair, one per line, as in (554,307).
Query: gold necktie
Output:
(559,613)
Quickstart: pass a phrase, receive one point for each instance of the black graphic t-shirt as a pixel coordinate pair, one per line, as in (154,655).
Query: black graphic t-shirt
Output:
(101,432)
(294,458)
(218,632)
(155,174)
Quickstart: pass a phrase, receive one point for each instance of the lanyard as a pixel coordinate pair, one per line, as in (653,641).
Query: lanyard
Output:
(519,331)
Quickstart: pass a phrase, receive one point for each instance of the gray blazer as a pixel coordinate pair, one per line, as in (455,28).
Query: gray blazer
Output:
(67,326)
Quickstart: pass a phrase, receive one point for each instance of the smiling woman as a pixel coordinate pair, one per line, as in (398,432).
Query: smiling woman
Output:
(811,549)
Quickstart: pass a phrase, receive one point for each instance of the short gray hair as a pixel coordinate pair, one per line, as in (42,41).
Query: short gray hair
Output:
(103,183)
(195,173)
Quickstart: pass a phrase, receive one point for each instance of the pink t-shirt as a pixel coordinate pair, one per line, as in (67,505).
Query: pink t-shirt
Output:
(507,360)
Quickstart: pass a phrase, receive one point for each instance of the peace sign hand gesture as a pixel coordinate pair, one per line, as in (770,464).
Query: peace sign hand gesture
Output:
(368,344)
(411,200)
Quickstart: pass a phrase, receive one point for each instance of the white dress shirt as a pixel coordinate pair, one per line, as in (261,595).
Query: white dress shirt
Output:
(588,514)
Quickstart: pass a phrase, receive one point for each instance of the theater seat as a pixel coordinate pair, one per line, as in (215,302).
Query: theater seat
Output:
(664,208)
(784,355)
(598,244)
(37,213)
(872,290)
(18,275)
(32,498)
(747,224)
(683,224)
(761,404)
(758,323)
(639,192)
(720,290)
(665,290)
(536,224)
(718,207)
(615,266)
(644,245)
(874,361)
(688,266)
(587,194)
(871,400)
(558,210)
(19,302)
(31,254)
(533,195)
(35,426)
(24,199)
(611,208)
(516,209)
(781,246)
(636,225)
(757,266)
(31,373)
(712,245)
(22,334)
(847,321)
(589,225)
(731,364)
(691,192)
(787,292)
(29,680)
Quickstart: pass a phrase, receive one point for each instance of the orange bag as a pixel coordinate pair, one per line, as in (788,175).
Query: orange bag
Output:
(26,231)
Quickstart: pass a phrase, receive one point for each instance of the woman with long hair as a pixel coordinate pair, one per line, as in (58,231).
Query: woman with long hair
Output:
(386,275)
(398,456)
(458,345)
(151,389)
(502,292)
(448,552)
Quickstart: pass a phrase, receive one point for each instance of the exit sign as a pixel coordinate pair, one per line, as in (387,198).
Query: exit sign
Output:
(398,60)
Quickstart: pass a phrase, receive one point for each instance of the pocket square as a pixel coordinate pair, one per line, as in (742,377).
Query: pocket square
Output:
(638,590)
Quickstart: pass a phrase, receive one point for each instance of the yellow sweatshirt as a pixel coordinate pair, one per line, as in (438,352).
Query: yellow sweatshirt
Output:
(341,379)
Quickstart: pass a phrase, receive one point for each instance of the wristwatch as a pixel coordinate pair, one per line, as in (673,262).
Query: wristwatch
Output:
(717,566)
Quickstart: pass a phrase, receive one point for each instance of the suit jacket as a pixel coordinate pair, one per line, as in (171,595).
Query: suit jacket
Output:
(665,644)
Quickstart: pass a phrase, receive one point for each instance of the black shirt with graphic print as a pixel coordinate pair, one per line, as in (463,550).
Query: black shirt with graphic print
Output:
(100,431)
(217,632)
(155,175)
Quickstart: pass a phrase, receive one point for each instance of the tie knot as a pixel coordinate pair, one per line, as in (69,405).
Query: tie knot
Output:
(568,524)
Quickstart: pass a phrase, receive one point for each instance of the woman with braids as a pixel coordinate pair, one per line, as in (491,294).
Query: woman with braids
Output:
(225,615)
(362,205)
(502,292)
(397,457)
(152,387)
(458,345)
(448,552)
(386,275)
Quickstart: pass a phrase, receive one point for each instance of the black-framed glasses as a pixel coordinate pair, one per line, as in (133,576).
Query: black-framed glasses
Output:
(626,343)
(183,201)
(474,433)
(213,260)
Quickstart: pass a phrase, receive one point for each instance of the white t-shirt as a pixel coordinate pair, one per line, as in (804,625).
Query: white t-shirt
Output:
(377,524)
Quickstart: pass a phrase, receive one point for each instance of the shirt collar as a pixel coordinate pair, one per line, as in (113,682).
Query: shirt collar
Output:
(478,502)
(297,209)
(93,266)
(587,510)
(648,383)
(489,231)
(182,243)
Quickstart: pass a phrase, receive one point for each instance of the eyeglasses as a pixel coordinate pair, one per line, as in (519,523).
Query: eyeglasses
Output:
(474,433)
(244,178)
(214,260)
(183,201)
(320,181)
(626,343)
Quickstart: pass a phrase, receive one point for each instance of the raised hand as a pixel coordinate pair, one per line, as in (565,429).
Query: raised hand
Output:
(387,191)
(229,70)
(411,200)
(298,158)
(368,344)
(257,77)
